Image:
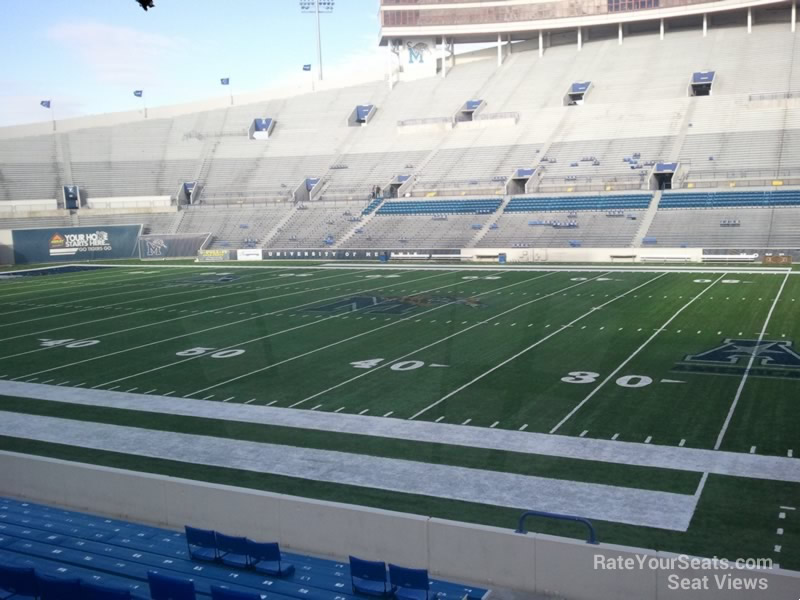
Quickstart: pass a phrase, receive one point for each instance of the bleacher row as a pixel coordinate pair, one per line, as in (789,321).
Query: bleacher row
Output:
(435,207)
(572,203)
(730,199)
(126,559)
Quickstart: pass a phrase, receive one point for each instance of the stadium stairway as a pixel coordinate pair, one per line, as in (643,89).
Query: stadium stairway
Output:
(647,220)
(486,226)
(119,553)
(278,227)
(358,225)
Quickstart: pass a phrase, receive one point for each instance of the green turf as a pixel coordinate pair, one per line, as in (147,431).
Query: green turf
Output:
(592,354)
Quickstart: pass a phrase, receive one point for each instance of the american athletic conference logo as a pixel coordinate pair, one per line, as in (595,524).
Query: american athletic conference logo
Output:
(775,359)
(156,247)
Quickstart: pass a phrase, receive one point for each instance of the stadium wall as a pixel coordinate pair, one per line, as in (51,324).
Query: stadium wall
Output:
(531,563)
(6,247)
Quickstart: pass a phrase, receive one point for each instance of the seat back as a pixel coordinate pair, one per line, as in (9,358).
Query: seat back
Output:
(204,538)
(221,593)
(263,550)
(371,570)
(20,580)
(57,588)
(416,579)
(164,587)
(231,543)
(97,591)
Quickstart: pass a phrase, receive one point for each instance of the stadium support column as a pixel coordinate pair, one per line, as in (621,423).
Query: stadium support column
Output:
(661,29)
(444,57)
(619,33)
(794,15)
(499,49)
(580,38)
(749,19)
(705,24)
(541,43)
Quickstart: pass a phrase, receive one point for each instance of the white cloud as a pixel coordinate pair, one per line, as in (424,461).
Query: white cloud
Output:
(119,55)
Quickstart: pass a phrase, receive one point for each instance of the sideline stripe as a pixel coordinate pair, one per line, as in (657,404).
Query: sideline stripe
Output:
(532,346)
(728,418)
(631,357)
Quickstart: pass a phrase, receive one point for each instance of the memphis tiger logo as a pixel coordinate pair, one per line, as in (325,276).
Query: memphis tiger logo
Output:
(393,305)
(770,358)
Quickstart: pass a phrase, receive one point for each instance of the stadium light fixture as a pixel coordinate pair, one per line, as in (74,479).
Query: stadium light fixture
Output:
(317,7)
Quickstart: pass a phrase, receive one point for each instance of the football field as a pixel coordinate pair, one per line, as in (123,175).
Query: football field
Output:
(654,386)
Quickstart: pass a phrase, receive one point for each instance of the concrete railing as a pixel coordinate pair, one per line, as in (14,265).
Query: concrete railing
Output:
(489,556)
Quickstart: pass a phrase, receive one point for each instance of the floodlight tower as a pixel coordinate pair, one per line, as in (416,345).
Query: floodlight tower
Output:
(316,7)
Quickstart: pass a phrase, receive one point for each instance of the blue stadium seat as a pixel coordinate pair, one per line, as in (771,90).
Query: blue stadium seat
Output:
(95,591)
(233,550)
(202,543)
(409,584)
(164,587)
(369,577)
(57,588)
(266,558)
(221,593)
(18,583)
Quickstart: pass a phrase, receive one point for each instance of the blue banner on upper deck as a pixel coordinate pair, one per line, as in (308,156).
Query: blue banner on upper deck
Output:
(71,244)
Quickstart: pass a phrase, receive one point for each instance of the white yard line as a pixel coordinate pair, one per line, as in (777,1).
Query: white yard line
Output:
(664,510)
(145,299)
(531,347)
(750,362)
(715,462)
(263,337)
(327,346)
(161,308)
(195,332)
(631,357)
(444,339)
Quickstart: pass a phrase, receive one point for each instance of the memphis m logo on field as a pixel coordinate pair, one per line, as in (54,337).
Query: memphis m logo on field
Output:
(156,247)
(775,359)
(393,305)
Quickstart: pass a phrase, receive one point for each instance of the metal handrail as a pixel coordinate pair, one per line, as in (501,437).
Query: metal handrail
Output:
(537,513)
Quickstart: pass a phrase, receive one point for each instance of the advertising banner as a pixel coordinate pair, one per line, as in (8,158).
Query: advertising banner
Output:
(70,244)
(249,254)
(173,245)
(212,255)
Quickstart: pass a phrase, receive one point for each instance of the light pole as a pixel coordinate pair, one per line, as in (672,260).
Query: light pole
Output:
(316,7)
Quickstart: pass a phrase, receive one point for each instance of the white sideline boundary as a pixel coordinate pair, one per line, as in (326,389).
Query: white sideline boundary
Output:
(742,383)
(632,506)
(613,374)
(715,462)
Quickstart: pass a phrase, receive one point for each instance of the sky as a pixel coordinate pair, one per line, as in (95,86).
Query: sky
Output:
(88,56)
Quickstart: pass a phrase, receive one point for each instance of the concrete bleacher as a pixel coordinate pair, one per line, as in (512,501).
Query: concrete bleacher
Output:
(317,225)
(120,553)
(418,231)
(594,230)
(232,227)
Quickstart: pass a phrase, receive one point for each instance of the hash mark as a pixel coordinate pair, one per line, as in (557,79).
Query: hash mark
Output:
(467,422)
(615,436)
(752,449)
(316,407)
(583,433)
(495,424)
(524,427)
(682,442)
(440,419)
(648,439)
(364,411)
(271,403)
(389,414)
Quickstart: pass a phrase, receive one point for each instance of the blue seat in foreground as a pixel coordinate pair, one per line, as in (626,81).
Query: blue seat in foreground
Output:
(164,587)
(233,550)
(202,543)
(18,583)
(369,577)
(266,558)
(57,588)
(409,584)
(95,591)
(221,593)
